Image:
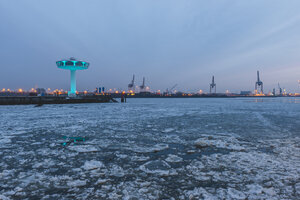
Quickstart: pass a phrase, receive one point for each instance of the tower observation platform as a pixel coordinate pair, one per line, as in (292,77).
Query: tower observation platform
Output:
(73,65)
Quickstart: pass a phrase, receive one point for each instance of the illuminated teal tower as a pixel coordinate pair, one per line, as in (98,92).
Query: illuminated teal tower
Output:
(72,64)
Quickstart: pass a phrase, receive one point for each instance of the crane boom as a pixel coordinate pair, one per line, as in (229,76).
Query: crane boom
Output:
(172,88)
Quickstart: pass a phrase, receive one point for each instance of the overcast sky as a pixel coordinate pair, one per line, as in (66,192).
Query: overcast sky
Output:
(168,41)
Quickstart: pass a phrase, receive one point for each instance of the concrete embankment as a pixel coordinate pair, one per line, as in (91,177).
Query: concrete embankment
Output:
(23,100)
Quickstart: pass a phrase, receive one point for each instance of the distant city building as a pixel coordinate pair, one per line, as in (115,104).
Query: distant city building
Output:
(40,91)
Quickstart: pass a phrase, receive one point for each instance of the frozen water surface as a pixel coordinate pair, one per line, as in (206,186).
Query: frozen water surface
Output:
(242,148)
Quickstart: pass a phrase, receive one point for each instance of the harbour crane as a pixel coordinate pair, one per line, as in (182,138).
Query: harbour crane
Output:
(213,85)
(170,90)
(131,85)
(142,87)
(258,85)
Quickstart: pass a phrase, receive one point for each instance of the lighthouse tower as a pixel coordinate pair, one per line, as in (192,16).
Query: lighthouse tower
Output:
(73,65)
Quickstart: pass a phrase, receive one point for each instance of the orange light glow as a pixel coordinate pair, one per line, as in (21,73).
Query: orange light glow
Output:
(259,94)
(20,90)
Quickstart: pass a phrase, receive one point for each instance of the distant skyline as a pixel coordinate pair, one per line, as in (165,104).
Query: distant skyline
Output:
(169,42)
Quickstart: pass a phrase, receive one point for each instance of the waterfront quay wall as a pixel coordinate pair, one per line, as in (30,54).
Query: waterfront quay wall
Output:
(24,100)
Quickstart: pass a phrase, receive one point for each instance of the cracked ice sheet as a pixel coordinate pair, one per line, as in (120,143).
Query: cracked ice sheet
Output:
(182,149)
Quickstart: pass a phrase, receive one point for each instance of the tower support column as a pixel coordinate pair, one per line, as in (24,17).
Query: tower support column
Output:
(72,91)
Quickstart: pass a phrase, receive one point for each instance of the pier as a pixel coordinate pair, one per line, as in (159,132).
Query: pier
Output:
(39,100)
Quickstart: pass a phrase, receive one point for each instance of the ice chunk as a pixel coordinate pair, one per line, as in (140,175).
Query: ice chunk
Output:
(254,189)
(297,187)
(200,143)
(117,171)
(158,167)
(219,141)
(83,148)
(271,192)
(160,147)
(5,140)
(121,156)
(155,148)
(140,158)
(191,151)
(76,183)
(235,194)
(173,158)
(168,130)
(101,181)
(93,164)
(2,197)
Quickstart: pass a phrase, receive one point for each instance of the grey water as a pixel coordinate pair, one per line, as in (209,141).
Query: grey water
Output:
(235,148)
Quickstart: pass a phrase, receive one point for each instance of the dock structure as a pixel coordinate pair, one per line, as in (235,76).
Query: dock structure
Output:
(39,100)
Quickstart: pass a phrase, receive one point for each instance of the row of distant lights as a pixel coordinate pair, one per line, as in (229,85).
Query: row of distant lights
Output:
(9,90)
(57,91)
(20,90)
(110,90)
(61,91)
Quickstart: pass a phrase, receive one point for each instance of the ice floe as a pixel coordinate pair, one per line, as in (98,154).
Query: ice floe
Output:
(83,148)
(76,183)
(173,158)
(220,141)
(158,167)
(151,151)
(92,164)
